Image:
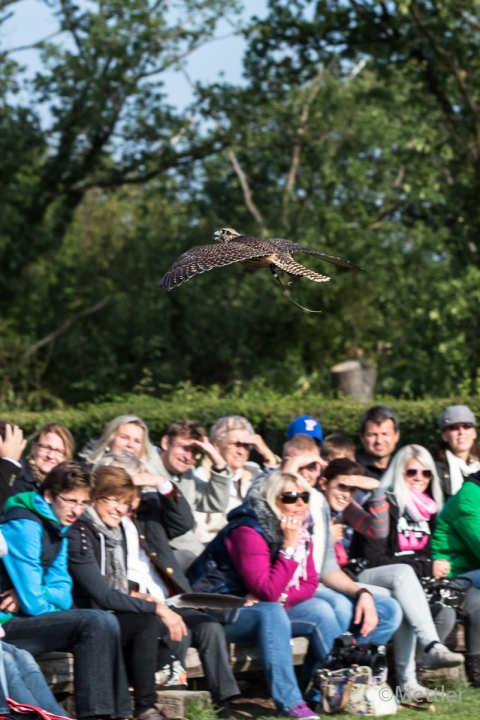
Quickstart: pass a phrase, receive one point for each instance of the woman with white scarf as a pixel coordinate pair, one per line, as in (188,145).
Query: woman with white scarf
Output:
(457,455)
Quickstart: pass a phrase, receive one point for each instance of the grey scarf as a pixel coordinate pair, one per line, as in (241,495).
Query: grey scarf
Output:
(269,522)
(113,556)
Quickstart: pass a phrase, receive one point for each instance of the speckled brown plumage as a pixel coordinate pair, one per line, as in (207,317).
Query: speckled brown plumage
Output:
(273,253)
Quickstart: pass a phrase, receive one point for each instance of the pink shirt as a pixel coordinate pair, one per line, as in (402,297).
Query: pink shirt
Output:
(250,556)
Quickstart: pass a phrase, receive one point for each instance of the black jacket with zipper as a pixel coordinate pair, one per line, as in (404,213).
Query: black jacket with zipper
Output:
(377,552)
(158,518)
(9,473)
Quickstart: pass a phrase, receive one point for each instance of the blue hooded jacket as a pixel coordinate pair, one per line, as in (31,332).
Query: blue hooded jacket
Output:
(36,562)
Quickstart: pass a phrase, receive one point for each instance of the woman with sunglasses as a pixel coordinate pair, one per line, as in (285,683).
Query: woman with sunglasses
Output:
(398,562)
(234,438)
(266,555)
(457,455)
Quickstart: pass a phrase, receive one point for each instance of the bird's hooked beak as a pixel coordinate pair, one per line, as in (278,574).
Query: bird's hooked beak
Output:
(217,235)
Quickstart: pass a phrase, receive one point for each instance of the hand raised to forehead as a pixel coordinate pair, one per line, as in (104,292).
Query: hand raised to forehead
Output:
(302,460)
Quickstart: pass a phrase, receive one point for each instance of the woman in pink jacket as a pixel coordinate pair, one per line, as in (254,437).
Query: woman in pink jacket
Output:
(265,555)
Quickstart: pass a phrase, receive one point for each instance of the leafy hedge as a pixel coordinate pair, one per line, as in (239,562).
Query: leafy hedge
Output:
(269,412)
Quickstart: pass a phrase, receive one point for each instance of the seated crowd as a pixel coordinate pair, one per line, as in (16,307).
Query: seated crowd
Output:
(319,541)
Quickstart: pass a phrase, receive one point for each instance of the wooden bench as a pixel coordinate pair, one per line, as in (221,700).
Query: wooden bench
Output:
(58,670)
(58,667)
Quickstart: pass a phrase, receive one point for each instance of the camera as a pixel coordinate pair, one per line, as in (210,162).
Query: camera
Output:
(445,591)
(346,652)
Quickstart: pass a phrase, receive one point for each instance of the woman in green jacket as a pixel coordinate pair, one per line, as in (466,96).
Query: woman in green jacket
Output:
(456,540)
(457,535)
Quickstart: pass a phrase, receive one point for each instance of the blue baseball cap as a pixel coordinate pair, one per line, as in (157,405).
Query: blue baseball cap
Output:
(305,425)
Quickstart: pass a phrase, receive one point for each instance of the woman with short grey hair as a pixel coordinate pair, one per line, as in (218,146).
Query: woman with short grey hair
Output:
(234,437)
(124,460)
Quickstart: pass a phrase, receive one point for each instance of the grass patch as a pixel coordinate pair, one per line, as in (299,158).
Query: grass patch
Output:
(200,710)
(467,708)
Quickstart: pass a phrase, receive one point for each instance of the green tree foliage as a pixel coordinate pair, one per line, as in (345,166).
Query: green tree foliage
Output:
(355,133)
(110,124)
(101,85)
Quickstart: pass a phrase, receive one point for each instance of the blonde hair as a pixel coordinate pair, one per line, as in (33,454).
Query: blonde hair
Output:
(225,424)
(124,460)
(97,449)
(63,433)
(393,480)
(274,484)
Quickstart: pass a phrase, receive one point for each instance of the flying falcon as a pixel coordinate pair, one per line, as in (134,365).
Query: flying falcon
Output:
(253,252)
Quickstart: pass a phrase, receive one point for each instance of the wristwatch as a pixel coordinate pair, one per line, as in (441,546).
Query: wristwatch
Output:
(288,552)
(219,470)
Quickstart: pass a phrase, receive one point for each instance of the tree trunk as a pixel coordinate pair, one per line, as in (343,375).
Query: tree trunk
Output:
(353,379)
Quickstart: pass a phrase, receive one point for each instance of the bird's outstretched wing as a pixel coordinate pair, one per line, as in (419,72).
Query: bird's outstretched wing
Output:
(201,258)
(287,246)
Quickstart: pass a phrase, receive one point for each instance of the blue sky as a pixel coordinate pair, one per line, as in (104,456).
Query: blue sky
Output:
(33,20)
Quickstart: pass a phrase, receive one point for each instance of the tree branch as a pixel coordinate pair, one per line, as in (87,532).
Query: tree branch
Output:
(181,56)
(387,207)
(34,45)
(122,177)
(452,62)
(247,195)
(292,173)
(59,331)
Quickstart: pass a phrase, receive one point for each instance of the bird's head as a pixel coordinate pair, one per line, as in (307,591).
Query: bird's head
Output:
(225,234)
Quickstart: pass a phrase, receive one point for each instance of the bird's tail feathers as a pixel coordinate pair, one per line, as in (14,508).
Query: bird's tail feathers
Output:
(291,267)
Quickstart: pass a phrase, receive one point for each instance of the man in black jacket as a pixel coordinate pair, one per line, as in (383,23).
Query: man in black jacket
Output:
(379,435)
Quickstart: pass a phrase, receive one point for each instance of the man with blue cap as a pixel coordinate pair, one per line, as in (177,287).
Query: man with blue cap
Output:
(305,425)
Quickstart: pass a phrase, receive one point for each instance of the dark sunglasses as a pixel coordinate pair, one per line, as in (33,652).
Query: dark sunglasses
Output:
(289,498)
(460,426)
(413,472)
(238,444)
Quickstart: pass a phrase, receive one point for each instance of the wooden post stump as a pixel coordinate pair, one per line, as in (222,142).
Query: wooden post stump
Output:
(175,702)
(353,379)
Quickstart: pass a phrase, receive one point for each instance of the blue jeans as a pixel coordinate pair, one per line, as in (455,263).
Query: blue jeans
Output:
(25,681)
(340,604)
(101,686)
(267,624)
(473,576)
(322,620)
